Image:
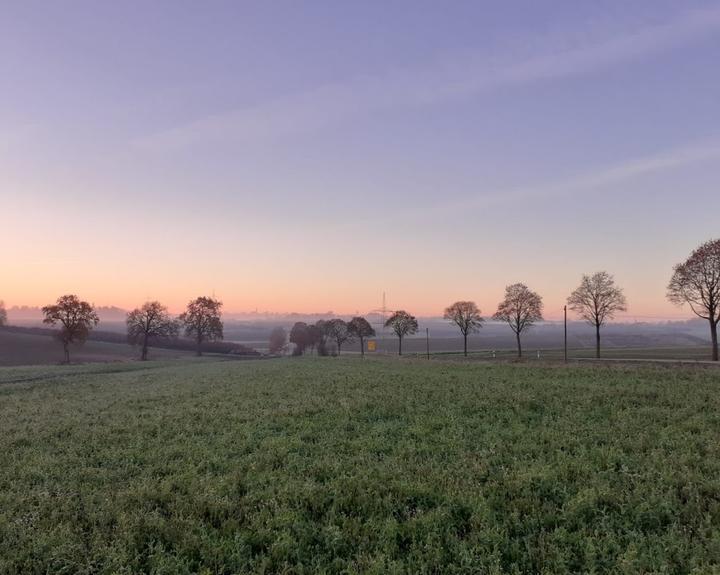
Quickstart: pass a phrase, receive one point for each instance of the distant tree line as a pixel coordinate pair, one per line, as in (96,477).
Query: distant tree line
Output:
(597,299)
(324,337)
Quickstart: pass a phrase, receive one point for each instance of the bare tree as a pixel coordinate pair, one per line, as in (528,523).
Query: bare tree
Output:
(402,323)
(596,300)
(697,283)
(337,330)
(3,313)
(465,315)
(148,322)
(521,308)
(202,321)
(278,338)
(360,328)
(76,318)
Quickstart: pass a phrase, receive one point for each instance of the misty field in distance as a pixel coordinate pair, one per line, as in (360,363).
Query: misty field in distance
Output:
(377,466)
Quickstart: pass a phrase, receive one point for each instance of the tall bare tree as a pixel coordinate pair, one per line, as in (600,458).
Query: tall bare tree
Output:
(337,330)
(202,321)
(3,313)
(75,317)
(151,321)
(360,328)
(596,300)
(696,282)
(520,309)
(465,315)
(402,323)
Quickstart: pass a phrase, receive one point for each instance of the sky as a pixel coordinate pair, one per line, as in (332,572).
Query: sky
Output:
(309,156)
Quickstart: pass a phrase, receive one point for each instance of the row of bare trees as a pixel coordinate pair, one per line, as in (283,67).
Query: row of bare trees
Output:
(76,318)
(695,282)
(337,332)
(201,321)
(520,309)
(597,299)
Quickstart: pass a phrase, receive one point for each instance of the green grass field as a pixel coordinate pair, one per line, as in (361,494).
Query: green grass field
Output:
(348,466)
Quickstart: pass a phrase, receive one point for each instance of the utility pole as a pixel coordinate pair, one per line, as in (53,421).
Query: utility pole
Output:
(565,314)
(427,341)
(384,309)
(382,325)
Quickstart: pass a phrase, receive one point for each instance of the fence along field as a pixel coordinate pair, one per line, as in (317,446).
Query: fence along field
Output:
(342,465)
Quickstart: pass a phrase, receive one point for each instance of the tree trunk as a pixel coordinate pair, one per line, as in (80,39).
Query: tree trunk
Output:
(400,347)
(597,340)
(714,337)
(199,345)
(339,344)
(66,349)
(143,356)
(517,336)
(465,344)
(362,347)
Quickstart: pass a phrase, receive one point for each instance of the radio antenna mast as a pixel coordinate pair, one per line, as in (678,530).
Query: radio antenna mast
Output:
(382,313)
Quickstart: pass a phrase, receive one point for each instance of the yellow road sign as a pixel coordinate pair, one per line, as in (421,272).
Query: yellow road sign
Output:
(372,345)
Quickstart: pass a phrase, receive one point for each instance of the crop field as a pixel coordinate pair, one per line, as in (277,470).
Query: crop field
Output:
(327,465)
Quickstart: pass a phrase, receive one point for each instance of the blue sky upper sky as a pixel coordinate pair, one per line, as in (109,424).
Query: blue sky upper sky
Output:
(309,155)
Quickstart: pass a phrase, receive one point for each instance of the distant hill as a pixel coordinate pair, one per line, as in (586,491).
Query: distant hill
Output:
(23,348)
(22,345)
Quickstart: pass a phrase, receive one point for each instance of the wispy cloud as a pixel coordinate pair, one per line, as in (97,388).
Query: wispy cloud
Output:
(610,175)
(461,76)
(583,183)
